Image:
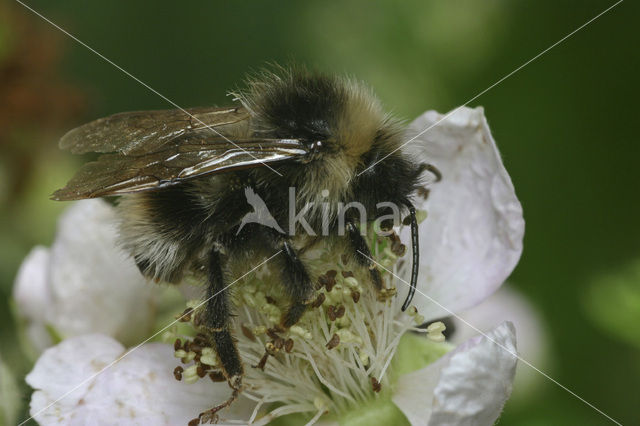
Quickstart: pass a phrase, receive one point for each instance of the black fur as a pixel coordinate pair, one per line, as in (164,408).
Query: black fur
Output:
(297,104)
(298,284)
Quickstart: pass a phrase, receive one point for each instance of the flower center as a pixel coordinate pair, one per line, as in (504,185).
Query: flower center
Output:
(335,361)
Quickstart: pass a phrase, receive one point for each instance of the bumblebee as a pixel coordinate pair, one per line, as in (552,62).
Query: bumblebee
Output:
(184,177)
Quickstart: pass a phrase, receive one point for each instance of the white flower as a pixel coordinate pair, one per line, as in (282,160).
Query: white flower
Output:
(468,386)
(472,238)
(507,304)
(137,390)
(374,371)
(84,283)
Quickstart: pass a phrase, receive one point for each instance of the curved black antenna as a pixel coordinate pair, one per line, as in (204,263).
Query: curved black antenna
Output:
(415,250)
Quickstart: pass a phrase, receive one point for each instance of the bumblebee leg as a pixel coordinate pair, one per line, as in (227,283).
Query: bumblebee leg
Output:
(216,318)
(363,254)
(297,283)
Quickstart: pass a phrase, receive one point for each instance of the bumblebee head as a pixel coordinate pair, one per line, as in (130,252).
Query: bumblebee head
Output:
(341,119)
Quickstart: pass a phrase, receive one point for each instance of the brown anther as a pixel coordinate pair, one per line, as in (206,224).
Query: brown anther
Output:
(200,371)
(386,225)
(340,311)
(177,372)
(288,345)
(355,295)
(375,384)
(278,343)
(397,247)
(187,346)
(327,281)
(270,300)
(330,284)
(331,313)
(335,341)
(344,258)
(186,315)
(423,192)
(194,422)
(323,280)
(247,333)
(332,273)
(347,274)
(217,376)
(263,361)
(319,301)
(177,344)
(195,348)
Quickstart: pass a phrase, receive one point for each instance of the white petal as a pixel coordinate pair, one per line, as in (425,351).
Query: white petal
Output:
(30,290)
(507,304)
(137,390)
(32,296)
(95,286)
(66,365)
(468,386)
(472,237)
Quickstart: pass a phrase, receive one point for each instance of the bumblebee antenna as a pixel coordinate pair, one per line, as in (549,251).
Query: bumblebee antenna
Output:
(415,250)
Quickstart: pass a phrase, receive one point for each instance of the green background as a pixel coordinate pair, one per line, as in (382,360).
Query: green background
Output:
(566,124)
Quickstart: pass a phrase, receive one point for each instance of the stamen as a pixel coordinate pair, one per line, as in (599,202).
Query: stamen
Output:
(435,331)
(337,358)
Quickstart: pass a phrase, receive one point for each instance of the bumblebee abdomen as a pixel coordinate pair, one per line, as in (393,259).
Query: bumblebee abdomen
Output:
(164,231)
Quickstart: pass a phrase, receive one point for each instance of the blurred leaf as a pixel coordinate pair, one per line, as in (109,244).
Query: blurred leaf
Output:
(9,396)
(613,303)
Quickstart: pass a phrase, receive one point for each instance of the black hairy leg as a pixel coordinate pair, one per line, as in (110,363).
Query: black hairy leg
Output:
(216,319)
(362,254)
(297,283)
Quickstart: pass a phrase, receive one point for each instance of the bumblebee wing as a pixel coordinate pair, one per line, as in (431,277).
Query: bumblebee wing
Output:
(186,157)
(141,132)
